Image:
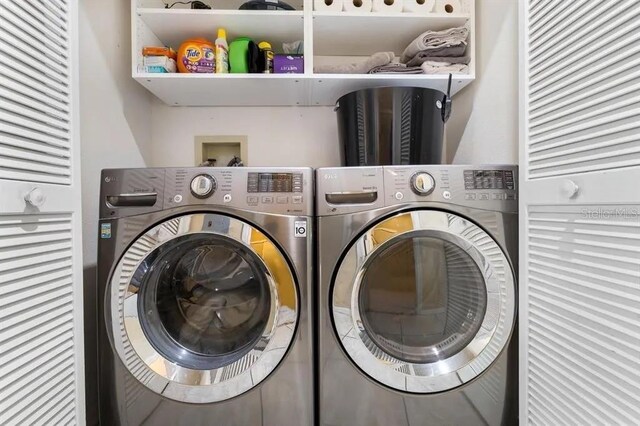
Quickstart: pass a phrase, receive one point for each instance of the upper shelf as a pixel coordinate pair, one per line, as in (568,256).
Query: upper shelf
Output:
(278,89)
(355,34)
(173,27)
(329,38)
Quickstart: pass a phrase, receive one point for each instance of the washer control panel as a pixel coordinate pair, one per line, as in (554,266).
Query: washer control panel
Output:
(271,190)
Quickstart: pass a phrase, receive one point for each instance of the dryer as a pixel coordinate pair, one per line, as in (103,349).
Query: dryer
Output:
(204,280)
(417,295)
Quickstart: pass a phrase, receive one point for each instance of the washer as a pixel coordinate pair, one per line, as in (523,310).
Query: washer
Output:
(417,295)
(204,277)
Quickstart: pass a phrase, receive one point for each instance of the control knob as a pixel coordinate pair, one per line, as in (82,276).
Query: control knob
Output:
(203,186)
(422,183)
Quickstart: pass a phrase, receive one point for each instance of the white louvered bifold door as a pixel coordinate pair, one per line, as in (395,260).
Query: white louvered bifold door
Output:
(41,333)
(580,212)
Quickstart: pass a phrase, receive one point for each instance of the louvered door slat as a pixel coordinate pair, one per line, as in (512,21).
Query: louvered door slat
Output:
(29,30)
(18,143)
(60,4)
(34,114)
(51,22)
(18,50)
(580,213)
(30,78)
(599,44)
(22,97)
(41,328)
(539,9)
(583,102)
(599,25)
(553,23)
(39,79)
(35,125)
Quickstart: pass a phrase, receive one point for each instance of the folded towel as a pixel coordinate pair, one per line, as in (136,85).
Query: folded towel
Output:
(443,68)
(375,60)
(395,68)
(430,40)
(455,50)
(417,60)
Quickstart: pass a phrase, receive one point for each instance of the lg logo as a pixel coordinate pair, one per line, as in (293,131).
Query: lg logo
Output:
(300,229)
(330,176)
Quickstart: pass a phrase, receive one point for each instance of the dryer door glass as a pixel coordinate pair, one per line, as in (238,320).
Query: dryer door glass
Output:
(422,299)
(202,307)
(205,300)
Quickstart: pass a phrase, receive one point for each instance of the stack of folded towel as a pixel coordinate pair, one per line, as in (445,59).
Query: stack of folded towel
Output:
(376,60)
(432,52)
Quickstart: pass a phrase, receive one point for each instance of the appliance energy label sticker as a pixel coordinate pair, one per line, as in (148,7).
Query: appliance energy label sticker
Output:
(105,230)
(300,229)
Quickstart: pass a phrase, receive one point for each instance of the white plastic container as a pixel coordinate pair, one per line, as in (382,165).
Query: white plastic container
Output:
(222,52)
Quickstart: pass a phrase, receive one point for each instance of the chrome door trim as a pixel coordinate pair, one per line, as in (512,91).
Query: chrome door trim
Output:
(458,369)
(169,379)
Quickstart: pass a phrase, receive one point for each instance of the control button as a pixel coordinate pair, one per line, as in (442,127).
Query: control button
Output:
(511,197)
(423,183)
(469,196)
(297,199)
(483,196)
(202,186)
(177,198)
(498,196)
(282,200)
(253,199)
(267,199)
(226,198)
(399,195)
(446,195)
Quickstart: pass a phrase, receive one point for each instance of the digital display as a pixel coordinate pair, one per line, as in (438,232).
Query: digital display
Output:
(488,179)
(274,182)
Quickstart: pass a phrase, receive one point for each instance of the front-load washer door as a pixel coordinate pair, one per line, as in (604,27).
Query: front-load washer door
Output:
(203,307)
(423,301)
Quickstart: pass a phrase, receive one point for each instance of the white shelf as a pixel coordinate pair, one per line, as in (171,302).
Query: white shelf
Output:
(330,37)
(359,34)
(278,89)
(226,89)
(327,88)
(172,27)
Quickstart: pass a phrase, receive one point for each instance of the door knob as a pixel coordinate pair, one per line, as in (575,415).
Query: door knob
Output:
(569,188)
(35,197)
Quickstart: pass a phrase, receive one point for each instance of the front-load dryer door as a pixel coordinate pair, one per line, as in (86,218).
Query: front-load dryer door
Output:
(202,308)
(423,301)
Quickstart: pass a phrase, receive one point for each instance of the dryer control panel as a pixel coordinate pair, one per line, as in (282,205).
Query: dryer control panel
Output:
(351,189)
(287,191)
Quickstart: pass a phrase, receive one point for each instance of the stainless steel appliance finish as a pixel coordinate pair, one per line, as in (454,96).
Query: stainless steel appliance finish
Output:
(204,278)
(417,295)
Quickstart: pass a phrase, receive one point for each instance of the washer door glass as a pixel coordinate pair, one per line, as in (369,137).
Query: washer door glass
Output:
(205,299)
(202,308)
(423,301)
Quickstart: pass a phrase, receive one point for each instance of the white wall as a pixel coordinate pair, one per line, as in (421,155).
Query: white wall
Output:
(277,136)
(484,125)
(115,131)
(482,129)
(115,111)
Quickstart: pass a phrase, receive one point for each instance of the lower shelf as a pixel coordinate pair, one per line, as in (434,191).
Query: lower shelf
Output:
(279,89)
